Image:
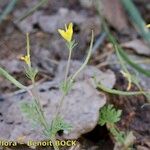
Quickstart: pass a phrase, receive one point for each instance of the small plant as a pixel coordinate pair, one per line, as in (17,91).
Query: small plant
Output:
(109,116)
(34,110)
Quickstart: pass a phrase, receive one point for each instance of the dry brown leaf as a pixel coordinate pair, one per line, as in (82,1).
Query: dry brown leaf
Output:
(113,11)
(138,46)
(142,148)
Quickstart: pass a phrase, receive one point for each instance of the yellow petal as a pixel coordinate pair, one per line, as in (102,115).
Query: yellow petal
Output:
(26,59)
(70,27)
(63,34)
(67,33)
(70,31)
(128,77)
(129,85)
(22,58)
(148,26)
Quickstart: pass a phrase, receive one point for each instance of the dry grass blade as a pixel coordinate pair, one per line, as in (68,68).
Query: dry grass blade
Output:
(137,19)
(42,2)
(8,9)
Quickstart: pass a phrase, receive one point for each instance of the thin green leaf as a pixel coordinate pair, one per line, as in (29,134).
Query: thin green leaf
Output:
(30,111)
(118,92)
(11,78)
(8,9)
(42,2)
(86,60)
(109,115)
(123,54)
(131,63)
(59,124)
(137,19)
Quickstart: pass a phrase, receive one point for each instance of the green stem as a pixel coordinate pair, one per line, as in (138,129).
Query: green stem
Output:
(116,133)
(66,75)
(53,139)
(28,50)
(122,53)
(11,79)
(136,18)
(86,60)
(41,113)
(134,65)
(117,92)
(38,106)
(60,105)
(68,65)
(121,61)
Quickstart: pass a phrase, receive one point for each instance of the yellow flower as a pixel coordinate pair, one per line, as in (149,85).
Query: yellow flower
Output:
(67,33)
(26,59)
(128,77)
(148,26)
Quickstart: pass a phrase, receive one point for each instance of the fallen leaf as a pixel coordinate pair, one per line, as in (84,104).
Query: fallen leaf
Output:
(138,46)
(113,11)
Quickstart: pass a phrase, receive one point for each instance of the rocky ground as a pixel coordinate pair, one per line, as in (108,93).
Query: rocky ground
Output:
(49,54)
